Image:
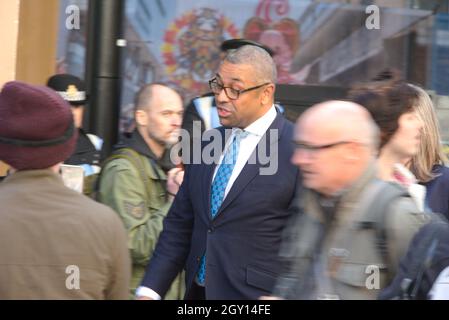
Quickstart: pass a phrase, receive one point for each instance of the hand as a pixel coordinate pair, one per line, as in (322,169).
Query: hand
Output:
(174,179)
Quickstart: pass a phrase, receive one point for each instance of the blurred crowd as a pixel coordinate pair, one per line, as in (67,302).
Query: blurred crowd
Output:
(356,207)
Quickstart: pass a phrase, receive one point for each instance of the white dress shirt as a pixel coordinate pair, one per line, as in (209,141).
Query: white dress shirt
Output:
(247,145)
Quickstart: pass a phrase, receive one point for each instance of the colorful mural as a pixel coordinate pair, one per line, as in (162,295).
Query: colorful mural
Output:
(315,42)
(191,49)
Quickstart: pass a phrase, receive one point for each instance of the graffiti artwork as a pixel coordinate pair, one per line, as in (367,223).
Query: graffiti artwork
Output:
(191,49)
(282,35)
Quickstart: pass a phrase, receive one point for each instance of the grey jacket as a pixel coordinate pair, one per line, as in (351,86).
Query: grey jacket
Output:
(338,259)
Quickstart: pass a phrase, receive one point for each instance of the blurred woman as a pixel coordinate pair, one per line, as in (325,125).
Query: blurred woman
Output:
(392,104)
(411,153)
(428,165)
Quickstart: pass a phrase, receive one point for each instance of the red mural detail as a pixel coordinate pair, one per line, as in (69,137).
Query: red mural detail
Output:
(283,38)
(282,7)
(263,10)
(264,5)
(180,23)
(169,36)
(168,59)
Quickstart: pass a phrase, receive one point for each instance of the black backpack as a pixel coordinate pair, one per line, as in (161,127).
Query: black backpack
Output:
(426,257)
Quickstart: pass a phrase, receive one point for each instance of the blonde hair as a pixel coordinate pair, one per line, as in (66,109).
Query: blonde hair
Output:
(430,150)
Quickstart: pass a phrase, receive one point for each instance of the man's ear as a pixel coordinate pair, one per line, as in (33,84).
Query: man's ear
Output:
(141,117)
(267,94)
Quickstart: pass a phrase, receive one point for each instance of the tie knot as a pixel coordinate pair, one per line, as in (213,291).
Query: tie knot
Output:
(241,134)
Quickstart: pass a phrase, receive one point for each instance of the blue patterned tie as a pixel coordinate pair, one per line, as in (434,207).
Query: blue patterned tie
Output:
(218,187)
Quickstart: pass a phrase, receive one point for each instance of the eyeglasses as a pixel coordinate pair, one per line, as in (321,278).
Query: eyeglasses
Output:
(231,93)
(312,148)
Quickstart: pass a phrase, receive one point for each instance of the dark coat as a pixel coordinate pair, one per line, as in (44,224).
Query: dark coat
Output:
(437,196)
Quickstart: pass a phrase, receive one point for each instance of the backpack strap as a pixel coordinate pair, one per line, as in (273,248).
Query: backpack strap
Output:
(374,204)
(136,160)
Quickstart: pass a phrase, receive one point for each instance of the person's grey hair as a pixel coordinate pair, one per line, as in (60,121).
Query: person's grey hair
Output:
(262,63)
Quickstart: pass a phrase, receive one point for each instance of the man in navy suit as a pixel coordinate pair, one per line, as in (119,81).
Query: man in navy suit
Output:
(226,221)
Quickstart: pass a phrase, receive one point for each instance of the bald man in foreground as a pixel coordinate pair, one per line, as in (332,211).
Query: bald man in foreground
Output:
(335,242)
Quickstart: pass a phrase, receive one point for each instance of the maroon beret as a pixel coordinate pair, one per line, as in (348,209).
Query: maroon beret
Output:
(36,127)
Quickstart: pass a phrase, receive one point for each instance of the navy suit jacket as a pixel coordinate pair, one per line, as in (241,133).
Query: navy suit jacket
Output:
(437,196)
(243,240)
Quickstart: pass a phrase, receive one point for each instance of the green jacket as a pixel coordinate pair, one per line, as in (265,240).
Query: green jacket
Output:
(142,205)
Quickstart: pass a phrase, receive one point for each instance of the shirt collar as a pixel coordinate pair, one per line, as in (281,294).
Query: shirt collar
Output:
(261,125)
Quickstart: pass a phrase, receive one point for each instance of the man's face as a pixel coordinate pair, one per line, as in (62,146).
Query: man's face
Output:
(320,156)
(164,116)
(77,112)
(249,105)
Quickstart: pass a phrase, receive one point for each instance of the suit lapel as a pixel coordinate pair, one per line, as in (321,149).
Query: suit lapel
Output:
(250,171)
(207,182)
